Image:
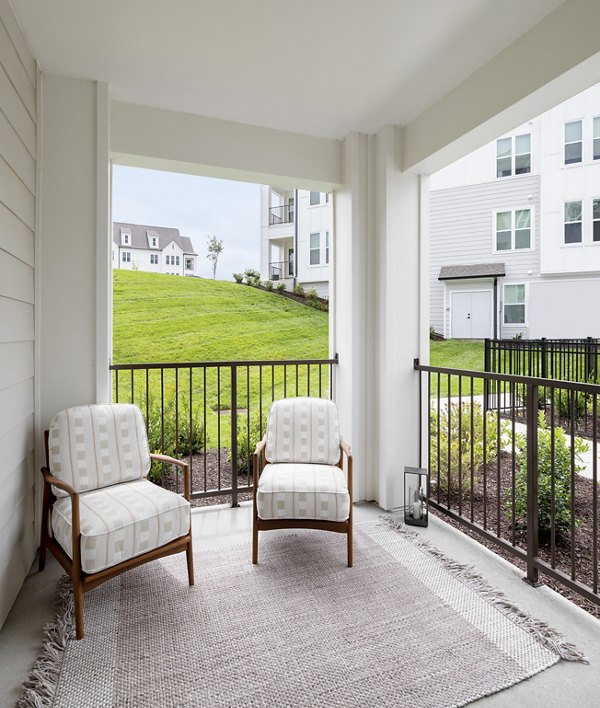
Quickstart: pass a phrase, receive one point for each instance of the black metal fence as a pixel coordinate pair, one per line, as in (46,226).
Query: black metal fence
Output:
(513,476)
(562,359)
(281,269)
(213,413)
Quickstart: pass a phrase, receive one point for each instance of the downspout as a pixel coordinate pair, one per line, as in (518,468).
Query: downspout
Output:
(296,254)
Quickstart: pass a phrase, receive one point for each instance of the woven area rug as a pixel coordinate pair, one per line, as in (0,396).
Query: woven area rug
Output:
(406,626)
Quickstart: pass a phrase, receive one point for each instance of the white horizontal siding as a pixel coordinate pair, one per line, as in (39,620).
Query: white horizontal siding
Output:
(18,140)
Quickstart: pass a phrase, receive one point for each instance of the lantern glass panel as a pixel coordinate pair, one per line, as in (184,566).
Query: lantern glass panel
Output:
(416,492)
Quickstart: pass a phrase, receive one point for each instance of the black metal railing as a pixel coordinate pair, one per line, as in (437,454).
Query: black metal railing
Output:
(558,359)
(517,473)
(278,270)
(282,214)
(212,414)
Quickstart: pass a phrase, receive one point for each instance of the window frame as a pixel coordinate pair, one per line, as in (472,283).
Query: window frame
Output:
(310,198)
(513,230)
(565,222)
(572,142)
(595,220)
(317,249)
(513,156)
(327,248)
(125,256)
(154,259)
(525,305)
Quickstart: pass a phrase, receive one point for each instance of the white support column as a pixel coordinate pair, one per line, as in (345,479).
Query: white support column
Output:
(379,326)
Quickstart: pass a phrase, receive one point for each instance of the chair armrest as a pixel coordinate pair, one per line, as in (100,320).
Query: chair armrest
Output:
(58,483)
(258,452)
(347,450)
(168,460)
(75,522)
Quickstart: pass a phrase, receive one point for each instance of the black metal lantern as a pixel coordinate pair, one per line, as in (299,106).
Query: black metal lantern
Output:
(416,491)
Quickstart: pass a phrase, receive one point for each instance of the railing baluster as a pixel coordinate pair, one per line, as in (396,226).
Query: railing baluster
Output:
(234,438)
(532,484)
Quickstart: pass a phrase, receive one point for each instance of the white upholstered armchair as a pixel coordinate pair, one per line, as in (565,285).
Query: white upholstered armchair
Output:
(100,515)
(299,480)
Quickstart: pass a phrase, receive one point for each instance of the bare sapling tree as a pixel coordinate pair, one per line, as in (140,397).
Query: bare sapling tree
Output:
(215,248)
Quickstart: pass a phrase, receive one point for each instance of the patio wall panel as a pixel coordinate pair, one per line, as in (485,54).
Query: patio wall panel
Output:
(18,155)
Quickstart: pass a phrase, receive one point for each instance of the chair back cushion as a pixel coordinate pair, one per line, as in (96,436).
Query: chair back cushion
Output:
(95,446)
(303,430)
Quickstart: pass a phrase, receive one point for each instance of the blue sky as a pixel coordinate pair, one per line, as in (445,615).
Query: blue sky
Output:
(199,207)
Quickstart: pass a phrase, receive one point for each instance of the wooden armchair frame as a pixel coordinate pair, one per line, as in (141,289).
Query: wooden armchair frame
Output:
(82,582)
(258,461)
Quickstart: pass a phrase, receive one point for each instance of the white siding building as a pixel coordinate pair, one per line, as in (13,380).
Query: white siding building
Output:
(515,231)
(154,249)
(296,238)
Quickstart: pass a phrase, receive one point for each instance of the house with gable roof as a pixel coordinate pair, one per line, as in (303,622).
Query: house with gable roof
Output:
(153,249)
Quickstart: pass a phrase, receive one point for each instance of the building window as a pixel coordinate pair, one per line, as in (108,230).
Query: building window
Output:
(572,222)
(315,249)
(573,136)
(513,158)
(154,259)
(125,239)
(189,264)
(514,304)
(596,144)
(176,260)
(315,198)
(126,256)
(596,219)
(154,242)
(327,247)
(513,230)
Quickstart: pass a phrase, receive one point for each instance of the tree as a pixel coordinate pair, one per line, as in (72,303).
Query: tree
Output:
(215,248)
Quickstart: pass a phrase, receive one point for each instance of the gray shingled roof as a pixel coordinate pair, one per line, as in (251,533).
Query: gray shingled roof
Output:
(474,270)
(139,236)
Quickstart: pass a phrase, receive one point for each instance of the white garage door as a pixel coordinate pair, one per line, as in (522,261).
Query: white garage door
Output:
(471,315)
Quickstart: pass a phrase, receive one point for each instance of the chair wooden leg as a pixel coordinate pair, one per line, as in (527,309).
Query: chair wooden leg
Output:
(350,554)
(255,540)
(42,558)
(190,562)
(44,531)
(78,600)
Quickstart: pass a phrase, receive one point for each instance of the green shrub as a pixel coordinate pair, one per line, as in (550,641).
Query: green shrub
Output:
(312,295)
(238,277)
(170,441)
(281,286)
(562,478)
(246,445)
(269,285)
(299,290)
(252,276)
(463,439)
(567,402)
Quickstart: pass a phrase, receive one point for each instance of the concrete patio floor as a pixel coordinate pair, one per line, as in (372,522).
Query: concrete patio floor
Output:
(566,684)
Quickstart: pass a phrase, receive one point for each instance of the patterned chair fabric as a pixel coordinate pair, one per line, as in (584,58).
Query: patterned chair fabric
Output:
(303,430)
(303,491)
(120,522)
(91,447)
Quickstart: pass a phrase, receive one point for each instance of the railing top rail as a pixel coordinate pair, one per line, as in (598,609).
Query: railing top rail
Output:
(511,378)
(222,364)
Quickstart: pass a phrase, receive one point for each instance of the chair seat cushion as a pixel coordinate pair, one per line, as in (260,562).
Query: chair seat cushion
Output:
(121,522)
(303,491)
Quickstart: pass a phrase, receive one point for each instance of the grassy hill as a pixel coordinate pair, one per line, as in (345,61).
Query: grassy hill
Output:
(161,318)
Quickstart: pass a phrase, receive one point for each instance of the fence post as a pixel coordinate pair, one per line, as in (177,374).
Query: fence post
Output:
(532,485)
(544,358)
(487,359)
(234,450)
(590,359)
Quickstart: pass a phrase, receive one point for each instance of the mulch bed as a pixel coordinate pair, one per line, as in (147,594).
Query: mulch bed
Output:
(564,551)
(210,471)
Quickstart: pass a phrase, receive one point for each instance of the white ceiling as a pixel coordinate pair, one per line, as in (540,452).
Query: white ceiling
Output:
(320,67)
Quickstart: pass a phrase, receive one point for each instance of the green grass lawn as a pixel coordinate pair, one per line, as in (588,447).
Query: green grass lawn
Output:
(457,354)
(162,318)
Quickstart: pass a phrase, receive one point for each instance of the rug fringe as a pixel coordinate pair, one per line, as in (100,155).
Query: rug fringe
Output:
(544,633)
(40,687)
